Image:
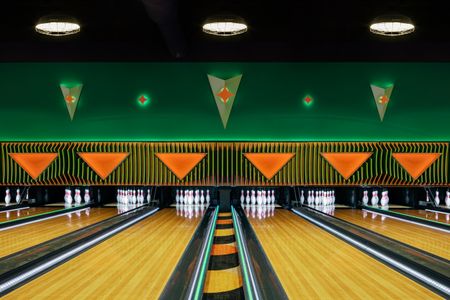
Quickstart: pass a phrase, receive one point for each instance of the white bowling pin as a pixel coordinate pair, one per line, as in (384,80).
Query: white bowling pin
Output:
(365,199)
(177,197)
(436,199)
(18,196)
(247,198)
(202,197)
(197,197)
(149,196)
(302,198)
(253,198)
(208,198)
(258,198)
(447,199)
(374,199)
(242,197)
(7,197)
(87,197)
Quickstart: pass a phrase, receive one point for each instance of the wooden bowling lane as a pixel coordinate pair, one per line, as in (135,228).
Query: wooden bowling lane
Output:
(313,264)
(19,238)
(134,264)
(23,213)
(424,214)
(427,239)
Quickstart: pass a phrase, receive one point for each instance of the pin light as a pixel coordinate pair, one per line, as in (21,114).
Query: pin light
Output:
(308,100)
(143,100)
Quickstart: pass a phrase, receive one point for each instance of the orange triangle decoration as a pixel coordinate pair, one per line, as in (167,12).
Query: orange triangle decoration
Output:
(346,163)
(180,163)
(416,163)
(34,163)
(269,164)
(103,163)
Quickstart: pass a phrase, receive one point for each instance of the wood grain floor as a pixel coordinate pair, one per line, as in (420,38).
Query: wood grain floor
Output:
(134,264)
(428,239)
(22,237)
(312,264)
(22,213)
(432,216)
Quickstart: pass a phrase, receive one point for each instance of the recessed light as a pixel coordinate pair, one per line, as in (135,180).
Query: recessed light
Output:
(57,25)
(225,26)
(392,25)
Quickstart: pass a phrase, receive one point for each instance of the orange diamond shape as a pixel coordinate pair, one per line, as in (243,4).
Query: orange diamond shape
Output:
(70,98)
(225,94)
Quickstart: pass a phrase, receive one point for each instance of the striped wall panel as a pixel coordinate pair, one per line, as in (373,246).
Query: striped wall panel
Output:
(224,164)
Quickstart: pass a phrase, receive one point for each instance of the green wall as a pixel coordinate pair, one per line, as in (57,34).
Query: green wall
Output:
(268,105)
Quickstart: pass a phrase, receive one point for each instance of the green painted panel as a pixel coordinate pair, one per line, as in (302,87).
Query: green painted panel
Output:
(268,105)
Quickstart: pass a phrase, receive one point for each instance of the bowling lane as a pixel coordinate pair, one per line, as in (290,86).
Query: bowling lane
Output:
(23,213)
(313,264)
(22,237)
(429,215)
(427,239)
(134,264)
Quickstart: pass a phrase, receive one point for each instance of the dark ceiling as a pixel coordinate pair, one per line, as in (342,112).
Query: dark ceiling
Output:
(170,30)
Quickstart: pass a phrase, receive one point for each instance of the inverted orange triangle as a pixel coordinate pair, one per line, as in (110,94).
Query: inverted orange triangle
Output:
(346,163)
(103,163)
(416,163)
(180,163)
(269,164)
(34,163)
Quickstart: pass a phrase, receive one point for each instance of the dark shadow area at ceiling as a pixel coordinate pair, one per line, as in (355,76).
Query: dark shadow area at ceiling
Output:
(170,30)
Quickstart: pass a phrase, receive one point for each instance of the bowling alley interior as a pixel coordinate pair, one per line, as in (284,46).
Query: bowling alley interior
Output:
(227,149)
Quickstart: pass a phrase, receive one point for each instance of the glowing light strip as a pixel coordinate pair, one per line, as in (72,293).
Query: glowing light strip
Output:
(43,219)
(252,290)
(201,268)
(437,285)
(20,208)
(49,264)
(408,221)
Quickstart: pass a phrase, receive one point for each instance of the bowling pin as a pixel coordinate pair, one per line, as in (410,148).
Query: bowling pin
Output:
(177,197)
(18,196)
(436,199)
(253,198)
(181,197)
(447,198)
(149,196)
(302,198)
(258,198)
(242,197)
(7,197)
(197,197)
(87,197)
(208,198)
(202,198)
(247,198)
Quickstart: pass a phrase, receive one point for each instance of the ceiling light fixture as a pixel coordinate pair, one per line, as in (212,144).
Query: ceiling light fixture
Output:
(392,25)
(57,25)
(225,25)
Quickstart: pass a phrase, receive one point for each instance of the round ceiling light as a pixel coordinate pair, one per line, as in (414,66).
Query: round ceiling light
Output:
(57,25)
(225,26)
(392,25)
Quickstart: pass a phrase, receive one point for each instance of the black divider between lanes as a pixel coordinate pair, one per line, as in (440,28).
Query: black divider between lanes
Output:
(23,266)
(425,268)
(187,280)
(262,281)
